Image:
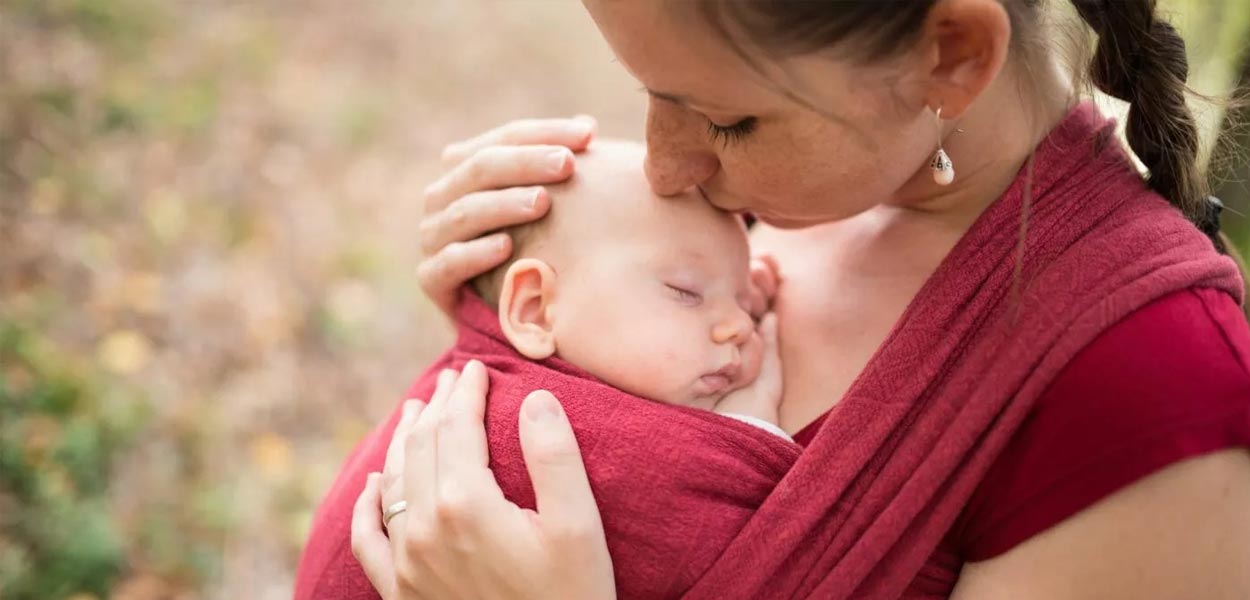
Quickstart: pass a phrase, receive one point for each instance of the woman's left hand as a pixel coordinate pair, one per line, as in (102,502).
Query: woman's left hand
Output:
(459,536)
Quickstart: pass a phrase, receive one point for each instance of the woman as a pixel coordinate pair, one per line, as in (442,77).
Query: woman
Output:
(822,118)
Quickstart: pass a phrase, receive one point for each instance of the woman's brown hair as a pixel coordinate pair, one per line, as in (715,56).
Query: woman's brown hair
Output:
(1140,58)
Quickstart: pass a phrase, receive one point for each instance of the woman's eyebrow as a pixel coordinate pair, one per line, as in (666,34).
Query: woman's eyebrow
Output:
(674,98)
(684,100)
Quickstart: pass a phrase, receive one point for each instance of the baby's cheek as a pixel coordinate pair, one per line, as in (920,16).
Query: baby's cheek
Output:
(649,363)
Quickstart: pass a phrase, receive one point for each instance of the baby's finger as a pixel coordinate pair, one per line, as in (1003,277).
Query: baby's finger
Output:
(475,214)
(766,274)
(496,167)
(574,134)
(764,284)
(770,363)
(757,303)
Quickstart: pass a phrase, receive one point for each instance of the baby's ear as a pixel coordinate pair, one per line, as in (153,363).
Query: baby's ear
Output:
(527,294)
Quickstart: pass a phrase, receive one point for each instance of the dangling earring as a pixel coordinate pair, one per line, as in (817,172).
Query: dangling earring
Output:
(943,170)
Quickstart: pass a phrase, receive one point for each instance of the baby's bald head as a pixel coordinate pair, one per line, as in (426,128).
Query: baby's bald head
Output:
(607,196)
(648,294)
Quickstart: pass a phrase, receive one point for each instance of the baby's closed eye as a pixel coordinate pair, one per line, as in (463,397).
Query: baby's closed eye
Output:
(684,294)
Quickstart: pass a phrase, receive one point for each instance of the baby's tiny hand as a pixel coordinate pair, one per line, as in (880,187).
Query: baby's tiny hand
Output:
(765,279)
(762,397)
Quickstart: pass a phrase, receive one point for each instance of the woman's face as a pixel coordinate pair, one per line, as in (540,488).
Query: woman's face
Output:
(738,134)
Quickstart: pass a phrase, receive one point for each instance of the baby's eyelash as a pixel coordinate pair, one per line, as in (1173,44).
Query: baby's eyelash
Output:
(684,294)
(731,133)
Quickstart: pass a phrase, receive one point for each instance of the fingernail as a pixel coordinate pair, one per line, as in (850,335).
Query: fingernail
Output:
(501,243)
(532,201)
(556,160)
(542,408)
(581,126)
(432,189)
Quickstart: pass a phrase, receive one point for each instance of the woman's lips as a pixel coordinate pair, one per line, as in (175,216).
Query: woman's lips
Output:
(724,202)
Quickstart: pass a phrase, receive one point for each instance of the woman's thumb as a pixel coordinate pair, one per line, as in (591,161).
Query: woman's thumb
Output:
(554,462)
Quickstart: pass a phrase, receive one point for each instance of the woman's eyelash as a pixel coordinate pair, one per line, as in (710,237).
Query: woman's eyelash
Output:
(685,294)
(731,133)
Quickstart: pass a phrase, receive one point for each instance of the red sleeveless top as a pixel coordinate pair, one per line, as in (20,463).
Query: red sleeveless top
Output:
(1169,382)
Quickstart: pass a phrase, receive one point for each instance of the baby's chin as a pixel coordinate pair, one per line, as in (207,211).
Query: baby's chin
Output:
(691,395)
(695,391)
(693,400)
(702,396)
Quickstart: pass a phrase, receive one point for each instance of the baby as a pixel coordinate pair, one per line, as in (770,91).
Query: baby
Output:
(647,294)
(614,297)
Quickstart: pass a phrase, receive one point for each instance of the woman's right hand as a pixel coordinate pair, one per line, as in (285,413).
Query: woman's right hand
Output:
(492,181)
(459,536)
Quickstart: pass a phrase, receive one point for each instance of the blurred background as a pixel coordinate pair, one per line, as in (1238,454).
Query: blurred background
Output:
(207,217)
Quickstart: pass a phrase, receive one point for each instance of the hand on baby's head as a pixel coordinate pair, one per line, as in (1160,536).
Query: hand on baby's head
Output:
(649,294)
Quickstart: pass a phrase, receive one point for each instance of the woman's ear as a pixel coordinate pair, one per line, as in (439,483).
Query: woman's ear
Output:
(525,302)
(965,45)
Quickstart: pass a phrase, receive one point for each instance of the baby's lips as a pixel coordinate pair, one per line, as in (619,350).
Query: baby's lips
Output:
(714,383)
(721,380)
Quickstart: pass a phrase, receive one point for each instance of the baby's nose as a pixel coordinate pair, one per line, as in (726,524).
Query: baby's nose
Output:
(736,328)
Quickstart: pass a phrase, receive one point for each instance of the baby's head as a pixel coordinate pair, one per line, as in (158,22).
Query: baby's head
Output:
(648,294)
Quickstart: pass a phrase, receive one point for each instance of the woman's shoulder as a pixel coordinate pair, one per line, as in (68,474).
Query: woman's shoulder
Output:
(1183,349)
(1168,382)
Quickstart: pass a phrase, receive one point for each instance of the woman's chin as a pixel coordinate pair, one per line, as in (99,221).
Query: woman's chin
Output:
(734,204)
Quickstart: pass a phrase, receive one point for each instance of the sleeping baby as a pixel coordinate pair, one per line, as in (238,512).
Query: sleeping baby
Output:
(631,310)
(647,294)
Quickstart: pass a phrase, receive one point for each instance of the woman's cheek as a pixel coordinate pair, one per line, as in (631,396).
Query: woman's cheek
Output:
(778,188)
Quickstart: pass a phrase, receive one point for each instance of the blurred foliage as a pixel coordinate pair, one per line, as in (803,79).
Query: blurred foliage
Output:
(61,426)
(73,84)
(1231,164)
(1218,33)
(63,418)
(206,248)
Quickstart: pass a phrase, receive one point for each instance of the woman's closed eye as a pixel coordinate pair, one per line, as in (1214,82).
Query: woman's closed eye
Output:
(731,133)
(685,296)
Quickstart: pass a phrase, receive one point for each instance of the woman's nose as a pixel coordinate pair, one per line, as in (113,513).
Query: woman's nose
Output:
(678,153)
(735,328)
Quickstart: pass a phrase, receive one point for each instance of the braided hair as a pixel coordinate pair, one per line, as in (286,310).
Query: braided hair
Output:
(1141,60)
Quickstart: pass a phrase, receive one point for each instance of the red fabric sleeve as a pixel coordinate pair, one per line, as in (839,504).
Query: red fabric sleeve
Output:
(1170,382)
